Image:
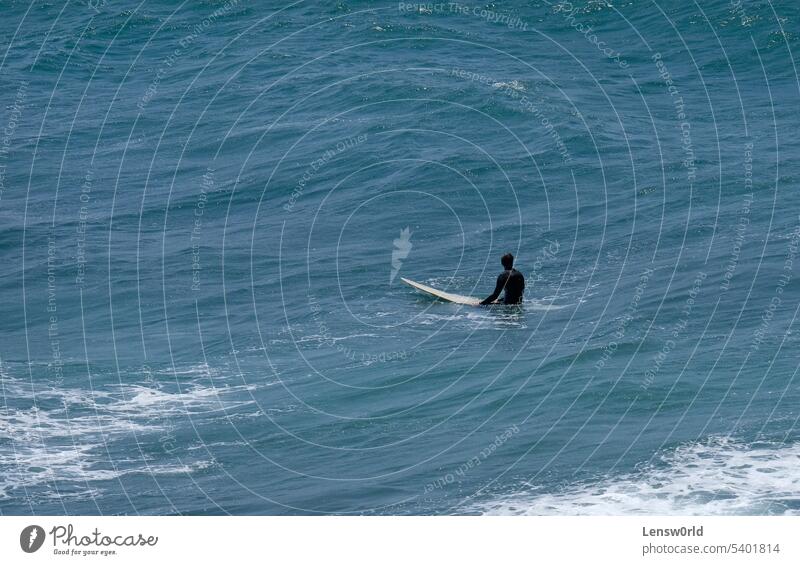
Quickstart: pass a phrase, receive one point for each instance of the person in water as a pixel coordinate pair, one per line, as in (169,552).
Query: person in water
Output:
(511,281)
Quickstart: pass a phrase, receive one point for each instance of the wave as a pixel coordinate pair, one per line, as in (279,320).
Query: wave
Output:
(717,477)
(62,438)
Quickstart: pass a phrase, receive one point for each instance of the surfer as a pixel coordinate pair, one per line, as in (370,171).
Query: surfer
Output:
(511,281)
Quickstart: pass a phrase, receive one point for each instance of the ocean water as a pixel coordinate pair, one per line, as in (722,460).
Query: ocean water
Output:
(206,209)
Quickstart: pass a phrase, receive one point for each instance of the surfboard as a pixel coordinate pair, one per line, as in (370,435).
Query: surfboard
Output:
(446,296)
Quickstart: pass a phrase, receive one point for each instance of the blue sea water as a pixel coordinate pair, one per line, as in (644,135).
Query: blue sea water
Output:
(206,209)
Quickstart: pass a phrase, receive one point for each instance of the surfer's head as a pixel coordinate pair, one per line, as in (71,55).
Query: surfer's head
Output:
(507,260)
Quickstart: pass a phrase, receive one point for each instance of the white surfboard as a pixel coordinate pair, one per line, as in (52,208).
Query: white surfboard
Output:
(447,296)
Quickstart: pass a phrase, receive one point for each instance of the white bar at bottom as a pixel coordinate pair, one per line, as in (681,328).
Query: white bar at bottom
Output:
(402,540)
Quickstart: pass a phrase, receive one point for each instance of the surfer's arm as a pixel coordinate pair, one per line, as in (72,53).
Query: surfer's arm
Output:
(501,282)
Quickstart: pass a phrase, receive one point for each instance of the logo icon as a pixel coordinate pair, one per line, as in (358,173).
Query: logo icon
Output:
(31,538)
(402,247)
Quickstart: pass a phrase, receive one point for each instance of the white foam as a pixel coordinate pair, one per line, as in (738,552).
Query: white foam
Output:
(720,476)
(513,85)
(47,446)
(35,425)
(323,339)
(137,400)
(474,319)
(35,465)
(197,370)
(543,305)
(55,433)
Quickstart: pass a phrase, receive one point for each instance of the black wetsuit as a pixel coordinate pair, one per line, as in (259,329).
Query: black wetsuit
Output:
(513,283)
